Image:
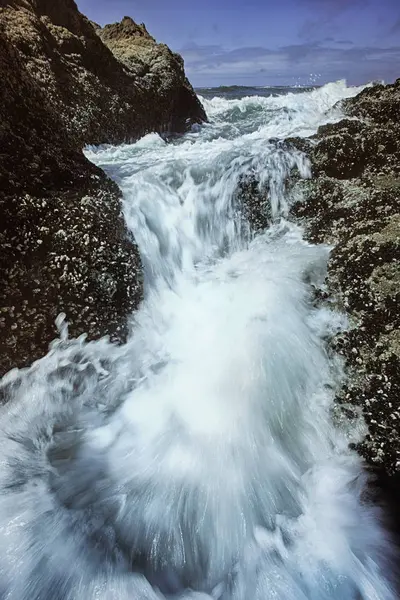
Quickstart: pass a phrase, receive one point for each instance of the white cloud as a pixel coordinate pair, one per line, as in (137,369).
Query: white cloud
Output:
(212,65)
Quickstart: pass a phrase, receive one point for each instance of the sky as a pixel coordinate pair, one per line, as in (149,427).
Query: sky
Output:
(270,42)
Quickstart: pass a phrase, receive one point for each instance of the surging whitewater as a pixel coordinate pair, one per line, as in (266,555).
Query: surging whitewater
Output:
(199,460)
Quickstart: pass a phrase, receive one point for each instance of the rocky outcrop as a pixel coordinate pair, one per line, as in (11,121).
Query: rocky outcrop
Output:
(64,243)
(160,70)
(353,202)
(96,97)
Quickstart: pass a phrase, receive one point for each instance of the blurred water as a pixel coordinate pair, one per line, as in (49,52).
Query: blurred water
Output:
(200,459)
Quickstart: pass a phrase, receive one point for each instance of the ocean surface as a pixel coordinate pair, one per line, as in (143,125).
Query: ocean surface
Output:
(236,92)
(200,460)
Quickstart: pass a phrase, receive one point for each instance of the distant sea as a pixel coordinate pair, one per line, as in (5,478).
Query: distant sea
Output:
(235,92)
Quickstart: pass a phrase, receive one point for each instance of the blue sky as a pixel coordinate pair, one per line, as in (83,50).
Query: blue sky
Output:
(263,42)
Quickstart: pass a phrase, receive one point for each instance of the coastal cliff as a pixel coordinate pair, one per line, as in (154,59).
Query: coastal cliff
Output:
(65,247)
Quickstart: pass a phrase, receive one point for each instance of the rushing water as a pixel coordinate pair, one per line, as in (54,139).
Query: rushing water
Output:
(200,459)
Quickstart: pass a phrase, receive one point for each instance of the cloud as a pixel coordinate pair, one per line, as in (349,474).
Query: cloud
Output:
(333,7)
(343,42)
(395,29)
(213,65)
(332,40)
(326,16)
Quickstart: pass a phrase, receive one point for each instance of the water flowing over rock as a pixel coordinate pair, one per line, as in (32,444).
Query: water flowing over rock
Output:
(199,460)
(64,242)
(353,202)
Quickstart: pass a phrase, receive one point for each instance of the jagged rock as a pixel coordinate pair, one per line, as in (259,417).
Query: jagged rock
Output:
(97,98)
(353,203)
(64,243)
(161,72)
(376,105)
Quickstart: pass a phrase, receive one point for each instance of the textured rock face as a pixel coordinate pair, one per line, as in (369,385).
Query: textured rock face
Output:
(161,73)
(63,239)
(353,202)
(97,97)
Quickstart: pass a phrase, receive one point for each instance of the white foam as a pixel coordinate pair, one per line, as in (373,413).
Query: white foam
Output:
(201,454)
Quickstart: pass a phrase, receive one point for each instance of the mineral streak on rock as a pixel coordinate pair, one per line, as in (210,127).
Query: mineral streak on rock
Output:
(64,244)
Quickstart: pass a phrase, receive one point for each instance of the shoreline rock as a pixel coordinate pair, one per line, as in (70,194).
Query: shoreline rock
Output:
(161,74)
(65,246)
(353,202)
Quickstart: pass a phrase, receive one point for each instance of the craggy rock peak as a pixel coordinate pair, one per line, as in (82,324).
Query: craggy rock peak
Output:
(161,72)
(125,34)
(63,239)
(95,95)
(353,202)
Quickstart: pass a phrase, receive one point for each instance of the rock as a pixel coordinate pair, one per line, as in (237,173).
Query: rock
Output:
(253,203)
(64,244)
(161,73)
(98,98)
(64,251)
(353,203)
(377,105)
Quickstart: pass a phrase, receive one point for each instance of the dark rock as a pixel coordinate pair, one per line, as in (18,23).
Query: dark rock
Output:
(253,198)
(64,244)
(253,203)
(377,105)
(161,73)
(353,203)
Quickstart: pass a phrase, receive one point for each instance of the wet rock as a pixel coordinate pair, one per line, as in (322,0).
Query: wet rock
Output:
(64,244)
(253,203)
(259,201)
(353,203)
(376,105)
